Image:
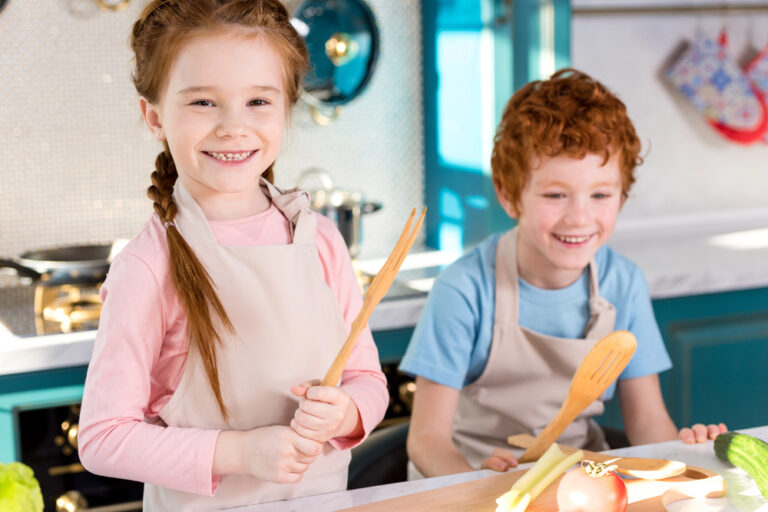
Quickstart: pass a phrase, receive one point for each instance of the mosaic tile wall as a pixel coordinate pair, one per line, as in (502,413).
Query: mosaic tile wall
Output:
(75,157)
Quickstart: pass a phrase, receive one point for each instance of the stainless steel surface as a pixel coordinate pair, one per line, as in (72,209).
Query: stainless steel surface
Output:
(344,207)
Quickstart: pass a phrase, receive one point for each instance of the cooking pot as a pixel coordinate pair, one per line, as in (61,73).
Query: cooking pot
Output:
(344,207)
(77,264)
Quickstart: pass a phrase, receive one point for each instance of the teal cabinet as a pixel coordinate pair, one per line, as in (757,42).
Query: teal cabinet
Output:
(35,390)
(719,348)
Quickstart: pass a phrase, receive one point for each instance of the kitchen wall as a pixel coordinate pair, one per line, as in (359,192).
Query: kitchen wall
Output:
(75,157)
(690,171)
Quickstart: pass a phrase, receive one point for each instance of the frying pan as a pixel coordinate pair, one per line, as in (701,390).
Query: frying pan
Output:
(76,264)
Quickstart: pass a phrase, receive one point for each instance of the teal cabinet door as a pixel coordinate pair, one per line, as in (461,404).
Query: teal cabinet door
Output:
(719,349)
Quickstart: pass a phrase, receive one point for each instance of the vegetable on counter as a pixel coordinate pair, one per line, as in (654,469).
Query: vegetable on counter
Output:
(594,487)
(746,452)
(545,471)
(19,489)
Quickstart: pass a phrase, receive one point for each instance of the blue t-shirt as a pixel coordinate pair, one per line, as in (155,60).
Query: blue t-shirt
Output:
(452,340)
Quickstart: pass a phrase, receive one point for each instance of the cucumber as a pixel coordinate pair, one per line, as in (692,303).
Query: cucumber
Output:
(746,452)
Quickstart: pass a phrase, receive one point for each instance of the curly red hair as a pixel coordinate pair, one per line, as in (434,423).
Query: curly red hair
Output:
(570,114)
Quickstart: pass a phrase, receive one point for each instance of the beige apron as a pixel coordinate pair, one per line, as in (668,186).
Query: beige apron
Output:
(528,374)
(288,328)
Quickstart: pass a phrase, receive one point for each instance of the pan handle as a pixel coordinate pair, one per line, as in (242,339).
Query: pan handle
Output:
(21,270)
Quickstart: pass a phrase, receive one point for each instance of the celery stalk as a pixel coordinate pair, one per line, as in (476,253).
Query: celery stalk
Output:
(545,471)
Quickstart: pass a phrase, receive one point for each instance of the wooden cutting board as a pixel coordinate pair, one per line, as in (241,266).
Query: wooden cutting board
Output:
(480,495)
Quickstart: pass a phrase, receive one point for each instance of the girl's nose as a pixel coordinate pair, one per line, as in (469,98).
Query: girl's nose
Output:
(231,125)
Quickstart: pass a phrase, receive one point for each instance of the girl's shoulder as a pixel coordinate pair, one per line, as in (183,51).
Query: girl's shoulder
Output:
(147,250)
(330,243)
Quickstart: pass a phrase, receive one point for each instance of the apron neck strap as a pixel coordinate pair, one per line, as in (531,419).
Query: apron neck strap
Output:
(294,204)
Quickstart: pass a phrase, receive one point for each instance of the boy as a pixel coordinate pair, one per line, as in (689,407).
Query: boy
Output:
(506,325)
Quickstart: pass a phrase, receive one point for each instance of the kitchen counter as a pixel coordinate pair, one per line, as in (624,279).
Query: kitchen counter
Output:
(741,491)
(679,257)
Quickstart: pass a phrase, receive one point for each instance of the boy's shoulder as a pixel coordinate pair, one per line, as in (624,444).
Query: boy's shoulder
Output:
(476,265)
(617,270)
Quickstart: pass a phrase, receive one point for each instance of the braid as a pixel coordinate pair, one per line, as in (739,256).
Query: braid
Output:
(161,190)
(191,280)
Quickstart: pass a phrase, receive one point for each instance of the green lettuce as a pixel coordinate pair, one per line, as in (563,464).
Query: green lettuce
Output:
(19,489)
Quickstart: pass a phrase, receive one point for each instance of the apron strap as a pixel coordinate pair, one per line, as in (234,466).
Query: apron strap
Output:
(294,203)
(602,314)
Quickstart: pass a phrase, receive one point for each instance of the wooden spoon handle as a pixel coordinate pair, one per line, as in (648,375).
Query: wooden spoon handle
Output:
(567,413)
(333,374)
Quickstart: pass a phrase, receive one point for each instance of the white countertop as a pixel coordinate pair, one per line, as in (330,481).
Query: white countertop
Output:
(741,490)
(679,256)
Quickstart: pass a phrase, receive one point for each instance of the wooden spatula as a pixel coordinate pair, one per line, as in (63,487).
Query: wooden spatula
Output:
(650,469)
(602,364)
(376,291)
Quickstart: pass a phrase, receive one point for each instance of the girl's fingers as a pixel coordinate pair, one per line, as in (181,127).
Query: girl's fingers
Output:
(327,394)
(303,431)
(307,447)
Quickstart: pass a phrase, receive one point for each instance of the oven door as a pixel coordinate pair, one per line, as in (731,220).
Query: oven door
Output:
(47,442)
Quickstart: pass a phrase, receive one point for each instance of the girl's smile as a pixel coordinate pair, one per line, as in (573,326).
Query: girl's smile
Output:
(224,156)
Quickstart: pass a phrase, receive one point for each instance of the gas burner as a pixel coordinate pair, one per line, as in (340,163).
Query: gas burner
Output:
(66,307)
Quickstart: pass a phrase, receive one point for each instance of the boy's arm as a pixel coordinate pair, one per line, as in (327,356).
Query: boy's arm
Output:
(430,446)
(646,419)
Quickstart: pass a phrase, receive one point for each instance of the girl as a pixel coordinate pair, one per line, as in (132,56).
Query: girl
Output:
(234,295)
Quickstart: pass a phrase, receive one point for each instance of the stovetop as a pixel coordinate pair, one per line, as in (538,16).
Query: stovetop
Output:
(17,312)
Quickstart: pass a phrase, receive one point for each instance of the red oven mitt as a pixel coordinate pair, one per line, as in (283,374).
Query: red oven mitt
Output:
(716,85)
(757,72)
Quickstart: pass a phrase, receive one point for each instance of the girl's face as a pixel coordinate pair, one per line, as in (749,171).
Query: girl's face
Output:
(222,114)
(568,211)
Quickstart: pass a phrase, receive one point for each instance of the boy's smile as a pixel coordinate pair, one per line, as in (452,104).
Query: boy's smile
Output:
(568,211)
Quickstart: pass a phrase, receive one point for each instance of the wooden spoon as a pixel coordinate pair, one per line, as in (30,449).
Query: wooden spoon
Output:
(602,364)
(376,291)
(638,467)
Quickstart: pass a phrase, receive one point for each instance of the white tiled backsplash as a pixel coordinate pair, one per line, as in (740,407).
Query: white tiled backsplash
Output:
(75,157)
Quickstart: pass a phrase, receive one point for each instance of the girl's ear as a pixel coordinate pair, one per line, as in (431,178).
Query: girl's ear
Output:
(506,202)
(152,119)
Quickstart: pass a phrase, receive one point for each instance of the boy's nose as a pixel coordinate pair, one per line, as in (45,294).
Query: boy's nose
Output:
(578,212)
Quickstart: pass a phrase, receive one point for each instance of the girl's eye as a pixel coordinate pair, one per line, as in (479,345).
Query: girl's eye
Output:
(601,195)
(202,103)
(258,102)
(554,195)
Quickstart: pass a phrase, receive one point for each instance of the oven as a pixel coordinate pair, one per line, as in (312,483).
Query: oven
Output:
(47,442)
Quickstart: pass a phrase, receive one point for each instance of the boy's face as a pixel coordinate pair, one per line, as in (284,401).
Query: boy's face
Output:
(568,209)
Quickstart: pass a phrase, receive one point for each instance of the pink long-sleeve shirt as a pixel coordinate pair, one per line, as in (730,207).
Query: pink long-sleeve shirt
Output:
(141,347)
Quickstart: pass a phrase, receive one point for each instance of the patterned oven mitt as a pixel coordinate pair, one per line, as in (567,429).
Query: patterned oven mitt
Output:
(716,85)
(757,71)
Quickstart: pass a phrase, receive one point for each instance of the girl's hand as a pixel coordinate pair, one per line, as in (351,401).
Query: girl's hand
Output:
(325,412)
(500,460)
(277,454)
(700,433)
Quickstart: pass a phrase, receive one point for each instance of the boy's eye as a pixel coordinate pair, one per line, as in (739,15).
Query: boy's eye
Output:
(601,195)
(258,102)
(554,195)
(202,103)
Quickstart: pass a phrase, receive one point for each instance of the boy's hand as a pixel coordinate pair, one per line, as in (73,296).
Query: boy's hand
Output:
(325,412)
(500,460)
(700,433)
